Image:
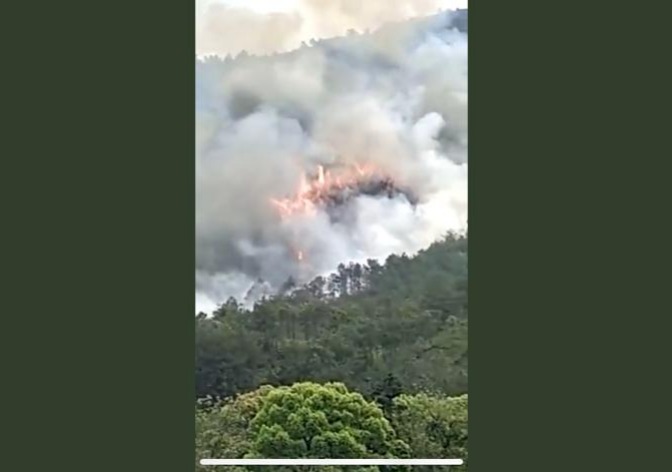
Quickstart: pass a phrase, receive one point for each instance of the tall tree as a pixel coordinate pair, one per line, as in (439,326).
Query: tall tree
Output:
(311,420)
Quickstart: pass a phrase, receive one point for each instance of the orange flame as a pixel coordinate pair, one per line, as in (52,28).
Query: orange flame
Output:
(310,193)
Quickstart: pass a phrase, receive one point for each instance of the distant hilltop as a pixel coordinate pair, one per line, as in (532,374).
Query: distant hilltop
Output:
(457,19)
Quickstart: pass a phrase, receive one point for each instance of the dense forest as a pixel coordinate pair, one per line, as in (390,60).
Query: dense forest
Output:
(329,421)
(370,361)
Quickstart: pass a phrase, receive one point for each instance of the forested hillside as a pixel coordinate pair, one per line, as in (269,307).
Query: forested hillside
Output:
(405,319)
(394,337)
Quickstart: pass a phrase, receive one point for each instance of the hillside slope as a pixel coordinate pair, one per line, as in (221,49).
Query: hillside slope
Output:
(405,319)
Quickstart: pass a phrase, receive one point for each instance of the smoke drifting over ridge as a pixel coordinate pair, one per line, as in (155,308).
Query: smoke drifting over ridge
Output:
(269,26)
(376,124)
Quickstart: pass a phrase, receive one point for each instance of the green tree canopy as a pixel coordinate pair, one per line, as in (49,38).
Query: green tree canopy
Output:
(322,421)
(222,427)
(433,426)
(404,319)
(329,421)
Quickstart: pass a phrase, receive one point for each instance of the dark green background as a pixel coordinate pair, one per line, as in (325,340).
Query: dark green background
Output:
(566,363)
(98,355)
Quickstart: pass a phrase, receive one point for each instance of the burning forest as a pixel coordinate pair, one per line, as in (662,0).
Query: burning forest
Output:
(349,149)
(332,190)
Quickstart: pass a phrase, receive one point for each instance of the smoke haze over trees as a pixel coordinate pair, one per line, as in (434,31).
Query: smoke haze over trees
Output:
(406,318)
(395,99)
(264,27)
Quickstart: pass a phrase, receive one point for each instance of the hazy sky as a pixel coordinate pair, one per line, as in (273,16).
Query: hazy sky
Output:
(285,5)
(261,6)
(267,26)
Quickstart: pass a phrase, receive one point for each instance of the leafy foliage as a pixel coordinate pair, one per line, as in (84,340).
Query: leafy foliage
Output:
(320,421)
(310,420)
(223,427)
(406,318)
(433,426)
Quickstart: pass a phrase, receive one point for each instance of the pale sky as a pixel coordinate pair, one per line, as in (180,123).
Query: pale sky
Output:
(261,6)
(265,6)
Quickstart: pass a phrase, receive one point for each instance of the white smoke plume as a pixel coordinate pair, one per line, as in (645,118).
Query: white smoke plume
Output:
(395,99)
(269,26)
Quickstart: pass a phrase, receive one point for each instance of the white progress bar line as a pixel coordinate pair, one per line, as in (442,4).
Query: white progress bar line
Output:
(331,461)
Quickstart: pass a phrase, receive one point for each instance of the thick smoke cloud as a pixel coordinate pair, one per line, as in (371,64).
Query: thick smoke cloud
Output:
(225,30)
(269,26)
(395,99)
